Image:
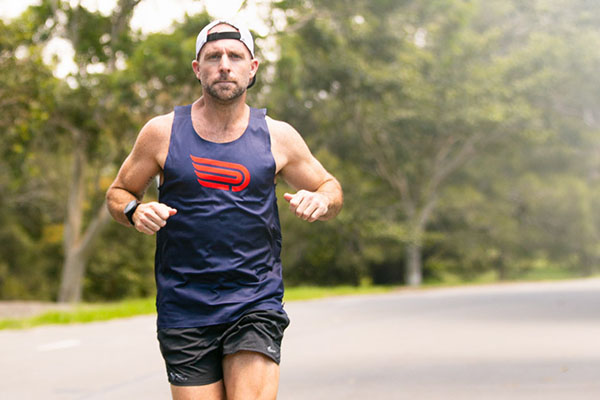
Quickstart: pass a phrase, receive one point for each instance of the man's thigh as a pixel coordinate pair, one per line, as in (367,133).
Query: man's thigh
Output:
(250,375)
(252,351)
(214,391)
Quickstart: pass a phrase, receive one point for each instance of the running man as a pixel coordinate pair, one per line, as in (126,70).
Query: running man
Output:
(218,268)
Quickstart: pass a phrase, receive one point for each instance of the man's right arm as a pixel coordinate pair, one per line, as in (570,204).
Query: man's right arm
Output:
(145,161)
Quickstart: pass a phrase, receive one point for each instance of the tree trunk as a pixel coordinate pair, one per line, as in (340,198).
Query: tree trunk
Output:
(71,285)
(413,272)
(77,256)
(77,243)
(72,273)
(502,269)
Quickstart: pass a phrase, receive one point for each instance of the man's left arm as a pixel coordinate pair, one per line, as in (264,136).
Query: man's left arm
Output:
(319,195)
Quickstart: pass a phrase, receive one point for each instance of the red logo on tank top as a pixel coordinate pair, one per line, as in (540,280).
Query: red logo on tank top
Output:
(220,174)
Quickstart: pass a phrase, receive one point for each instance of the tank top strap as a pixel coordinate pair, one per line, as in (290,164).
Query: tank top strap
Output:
(257,126)
(182,119)
(258,113)
(183,111)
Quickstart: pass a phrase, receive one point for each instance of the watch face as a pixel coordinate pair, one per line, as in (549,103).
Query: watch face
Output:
(130,206)
(130,209)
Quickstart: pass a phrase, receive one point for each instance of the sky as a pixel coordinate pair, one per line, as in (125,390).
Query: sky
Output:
(149,16)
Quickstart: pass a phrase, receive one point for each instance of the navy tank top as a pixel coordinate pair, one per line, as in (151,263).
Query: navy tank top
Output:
(219,256)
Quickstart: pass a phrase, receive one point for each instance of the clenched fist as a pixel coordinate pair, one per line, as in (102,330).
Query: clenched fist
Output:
(150,217)
(309,206)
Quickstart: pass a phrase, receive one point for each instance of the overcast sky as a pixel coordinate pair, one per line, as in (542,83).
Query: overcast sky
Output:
(149,16)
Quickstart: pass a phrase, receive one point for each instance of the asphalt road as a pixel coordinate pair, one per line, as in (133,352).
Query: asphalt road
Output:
(518,341)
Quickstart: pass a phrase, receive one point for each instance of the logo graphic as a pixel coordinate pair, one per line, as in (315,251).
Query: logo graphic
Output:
(271,350)
(220,174)
(175,377)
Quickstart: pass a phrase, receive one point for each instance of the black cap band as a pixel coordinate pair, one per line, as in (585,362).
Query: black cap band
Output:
(223,35)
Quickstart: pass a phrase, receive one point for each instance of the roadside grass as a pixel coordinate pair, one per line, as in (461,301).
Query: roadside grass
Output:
(318,292)
(84,313)
(128,308)
(491,278)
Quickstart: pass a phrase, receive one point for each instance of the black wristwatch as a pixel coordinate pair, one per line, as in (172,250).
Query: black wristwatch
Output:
(130,209)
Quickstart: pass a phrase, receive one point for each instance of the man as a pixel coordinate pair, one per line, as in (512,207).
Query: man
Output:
(218,270)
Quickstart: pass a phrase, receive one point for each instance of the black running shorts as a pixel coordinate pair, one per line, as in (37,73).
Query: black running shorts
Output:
(193,356)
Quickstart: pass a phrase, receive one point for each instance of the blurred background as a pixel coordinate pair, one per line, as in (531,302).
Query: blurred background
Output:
(465,133)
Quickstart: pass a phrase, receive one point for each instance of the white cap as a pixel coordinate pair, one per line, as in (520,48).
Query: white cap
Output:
(243,35)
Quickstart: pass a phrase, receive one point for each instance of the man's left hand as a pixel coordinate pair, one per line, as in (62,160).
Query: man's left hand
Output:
(309,206)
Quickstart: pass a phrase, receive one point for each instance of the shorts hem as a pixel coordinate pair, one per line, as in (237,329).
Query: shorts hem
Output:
(264,353)
(195,383)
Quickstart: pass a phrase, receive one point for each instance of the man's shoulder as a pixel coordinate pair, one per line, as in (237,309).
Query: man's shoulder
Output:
(286,142)
(156,133)
(158,127)
(161,122)
(280,129)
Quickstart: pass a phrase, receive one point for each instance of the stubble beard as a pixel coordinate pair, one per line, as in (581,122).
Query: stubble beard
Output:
(224,94)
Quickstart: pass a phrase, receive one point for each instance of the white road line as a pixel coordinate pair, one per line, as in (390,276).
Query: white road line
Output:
(60,345)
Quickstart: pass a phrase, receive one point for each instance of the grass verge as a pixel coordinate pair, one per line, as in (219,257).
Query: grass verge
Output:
(129,308)
(83,313)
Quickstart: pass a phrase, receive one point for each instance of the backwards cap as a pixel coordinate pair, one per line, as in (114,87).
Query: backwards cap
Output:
(243,35)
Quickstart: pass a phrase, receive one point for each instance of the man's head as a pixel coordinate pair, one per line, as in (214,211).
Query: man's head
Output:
(225,63)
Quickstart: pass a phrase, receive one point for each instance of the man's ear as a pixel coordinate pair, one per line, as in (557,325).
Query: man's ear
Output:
(196,68)
(254,68)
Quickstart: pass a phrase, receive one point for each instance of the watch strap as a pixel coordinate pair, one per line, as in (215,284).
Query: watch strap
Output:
(130,210)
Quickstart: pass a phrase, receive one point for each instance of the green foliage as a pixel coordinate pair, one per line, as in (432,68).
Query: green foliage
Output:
(89,30)
(451,104)
(28,265)
(126,271)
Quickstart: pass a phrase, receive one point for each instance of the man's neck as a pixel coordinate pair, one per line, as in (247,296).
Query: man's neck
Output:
(219,121)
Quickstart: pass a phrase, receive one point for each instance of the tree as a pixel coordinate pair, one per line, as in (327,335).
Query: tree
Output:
(86,122)
(26,101)
(415,91)
(408,86)
(83,121)
(534,198)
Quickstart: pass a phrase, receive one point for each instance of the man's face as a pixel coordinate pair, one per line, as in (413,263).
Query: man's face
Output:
(225,67)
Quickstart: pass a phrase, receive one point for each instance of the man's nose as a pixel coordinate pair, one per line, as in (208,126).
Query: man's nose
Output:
(224,64)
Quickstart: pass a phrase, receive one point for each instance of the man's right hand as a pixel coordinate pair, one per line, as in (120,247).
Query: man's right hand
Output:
(150,217)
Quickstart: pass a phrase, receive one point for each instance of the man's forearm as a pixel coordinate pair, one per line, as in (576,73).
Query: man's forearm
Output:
(116,201)
(333,191)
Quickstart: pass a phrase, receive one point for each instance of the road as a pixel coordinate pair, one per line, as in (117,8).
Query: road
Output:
(516,341)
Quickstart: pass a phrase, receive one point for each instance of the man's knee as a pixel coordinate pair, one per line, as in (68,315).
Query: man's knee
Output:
(250,375)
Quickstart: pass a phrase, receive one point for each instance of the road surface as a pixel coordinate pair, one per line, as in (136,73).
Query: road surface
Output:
(517,341)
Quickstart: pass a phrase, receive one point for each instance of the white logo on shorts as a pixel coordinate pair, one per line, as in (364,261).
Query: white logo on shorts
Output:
(175,377)
(271,350)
